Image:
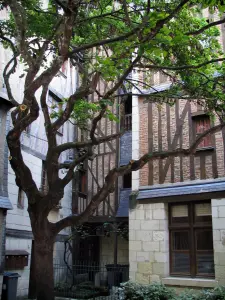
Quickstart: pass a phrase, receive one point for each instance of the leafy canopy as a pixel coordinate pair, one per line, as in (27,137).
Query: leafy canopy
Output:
(108,35)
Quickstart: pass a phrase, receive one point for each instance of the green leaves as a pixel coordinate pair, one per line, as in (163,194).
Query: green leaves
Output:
(120,34)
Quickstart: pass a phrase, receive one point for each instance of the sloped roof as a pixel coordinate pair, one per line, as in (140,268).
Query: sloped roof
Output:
(179,189)
(5,203)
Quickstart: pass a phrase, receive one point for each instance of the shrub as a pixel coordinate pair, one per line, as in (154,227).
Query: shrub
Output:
(134,291)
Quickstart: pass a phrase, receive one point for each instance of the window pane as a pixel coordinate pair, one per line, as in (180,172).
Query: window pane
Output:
(203,212)
(179,214)
(203,209)
(205,263)
(180,240)
(202,124)
(180,263)
(204,240)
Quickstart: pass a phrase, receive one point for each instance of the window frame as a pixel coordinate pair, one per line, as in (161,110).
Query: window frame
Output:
(83,182)
(192,226)
(207,140)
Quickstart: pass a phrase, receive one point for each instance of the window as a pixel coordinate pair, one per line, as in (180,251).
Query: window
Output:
(202,123)
(127,181)
(191,241)
(128,113)
(128,105)
(82,182)
(44,181)
(55,106)
(20,200)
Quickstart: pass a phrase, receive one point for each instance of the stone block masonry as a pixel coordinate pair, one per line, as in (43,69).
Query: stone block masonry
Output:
(218,222)
(148,243)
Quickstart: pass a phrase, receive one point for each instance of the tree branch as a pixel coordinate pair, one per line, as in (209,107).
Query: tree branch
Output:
(44,108)
(195,32)
(108,186)
(71,172)
(79,145)
(21,27)
(178,68)
(79,94)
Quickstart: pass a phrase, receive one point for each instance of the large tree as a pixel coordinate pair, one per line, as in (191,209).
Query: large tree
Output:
(113,38)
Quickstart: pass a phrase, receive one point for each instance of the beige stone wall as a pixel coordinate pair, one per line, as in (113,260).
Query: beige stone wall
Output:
(148,242)
(1,234)
(149,245)
(218,214)
(1,247)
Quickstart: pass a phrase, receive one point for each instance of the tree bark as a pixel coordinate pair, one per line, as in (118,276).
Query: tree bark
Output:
(43,251)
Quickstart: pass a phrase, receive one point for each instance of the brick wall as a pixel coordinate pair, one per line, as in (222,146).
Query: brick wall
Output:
(179,168)
(172,127)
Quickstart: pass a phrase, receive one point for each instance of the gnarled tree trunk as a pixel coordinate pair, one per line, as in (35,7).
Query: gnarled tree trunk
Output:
(43,251)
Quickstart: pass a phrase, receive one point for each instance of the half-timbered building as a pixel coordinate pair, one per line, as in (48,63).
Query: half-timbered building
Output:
(106,240)
(177,206)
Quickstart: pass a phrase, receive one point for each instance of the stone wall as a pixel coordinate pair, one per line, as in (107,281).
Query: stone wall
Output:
(149,245)
(2,247)
(148,242)
(2,240)
(218,214)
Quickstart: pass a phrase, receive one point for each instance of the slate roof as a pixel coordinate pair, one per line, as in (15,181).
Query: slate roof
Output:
(123,210)
(157,88)
(5,203)
(178,189)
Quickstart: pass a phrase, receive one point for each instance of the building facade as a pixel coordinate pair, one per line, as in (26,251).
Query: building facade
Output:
(107,226)
(5,203)
(16,238)
(177,205)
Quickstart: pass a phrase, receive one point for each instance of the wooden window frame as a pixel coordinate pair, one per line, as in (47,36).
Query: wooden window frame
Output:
(192,226)
(206,141)
(83,182)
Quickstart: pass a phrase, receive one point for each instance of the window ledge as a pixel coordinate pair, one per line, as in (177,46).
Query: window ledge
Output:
(209,148)
(190,282)
(198,114)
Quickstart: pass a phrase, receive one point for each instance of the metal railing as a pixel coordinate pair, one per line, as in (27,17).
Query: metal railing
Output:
(82,202)
(89,280)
